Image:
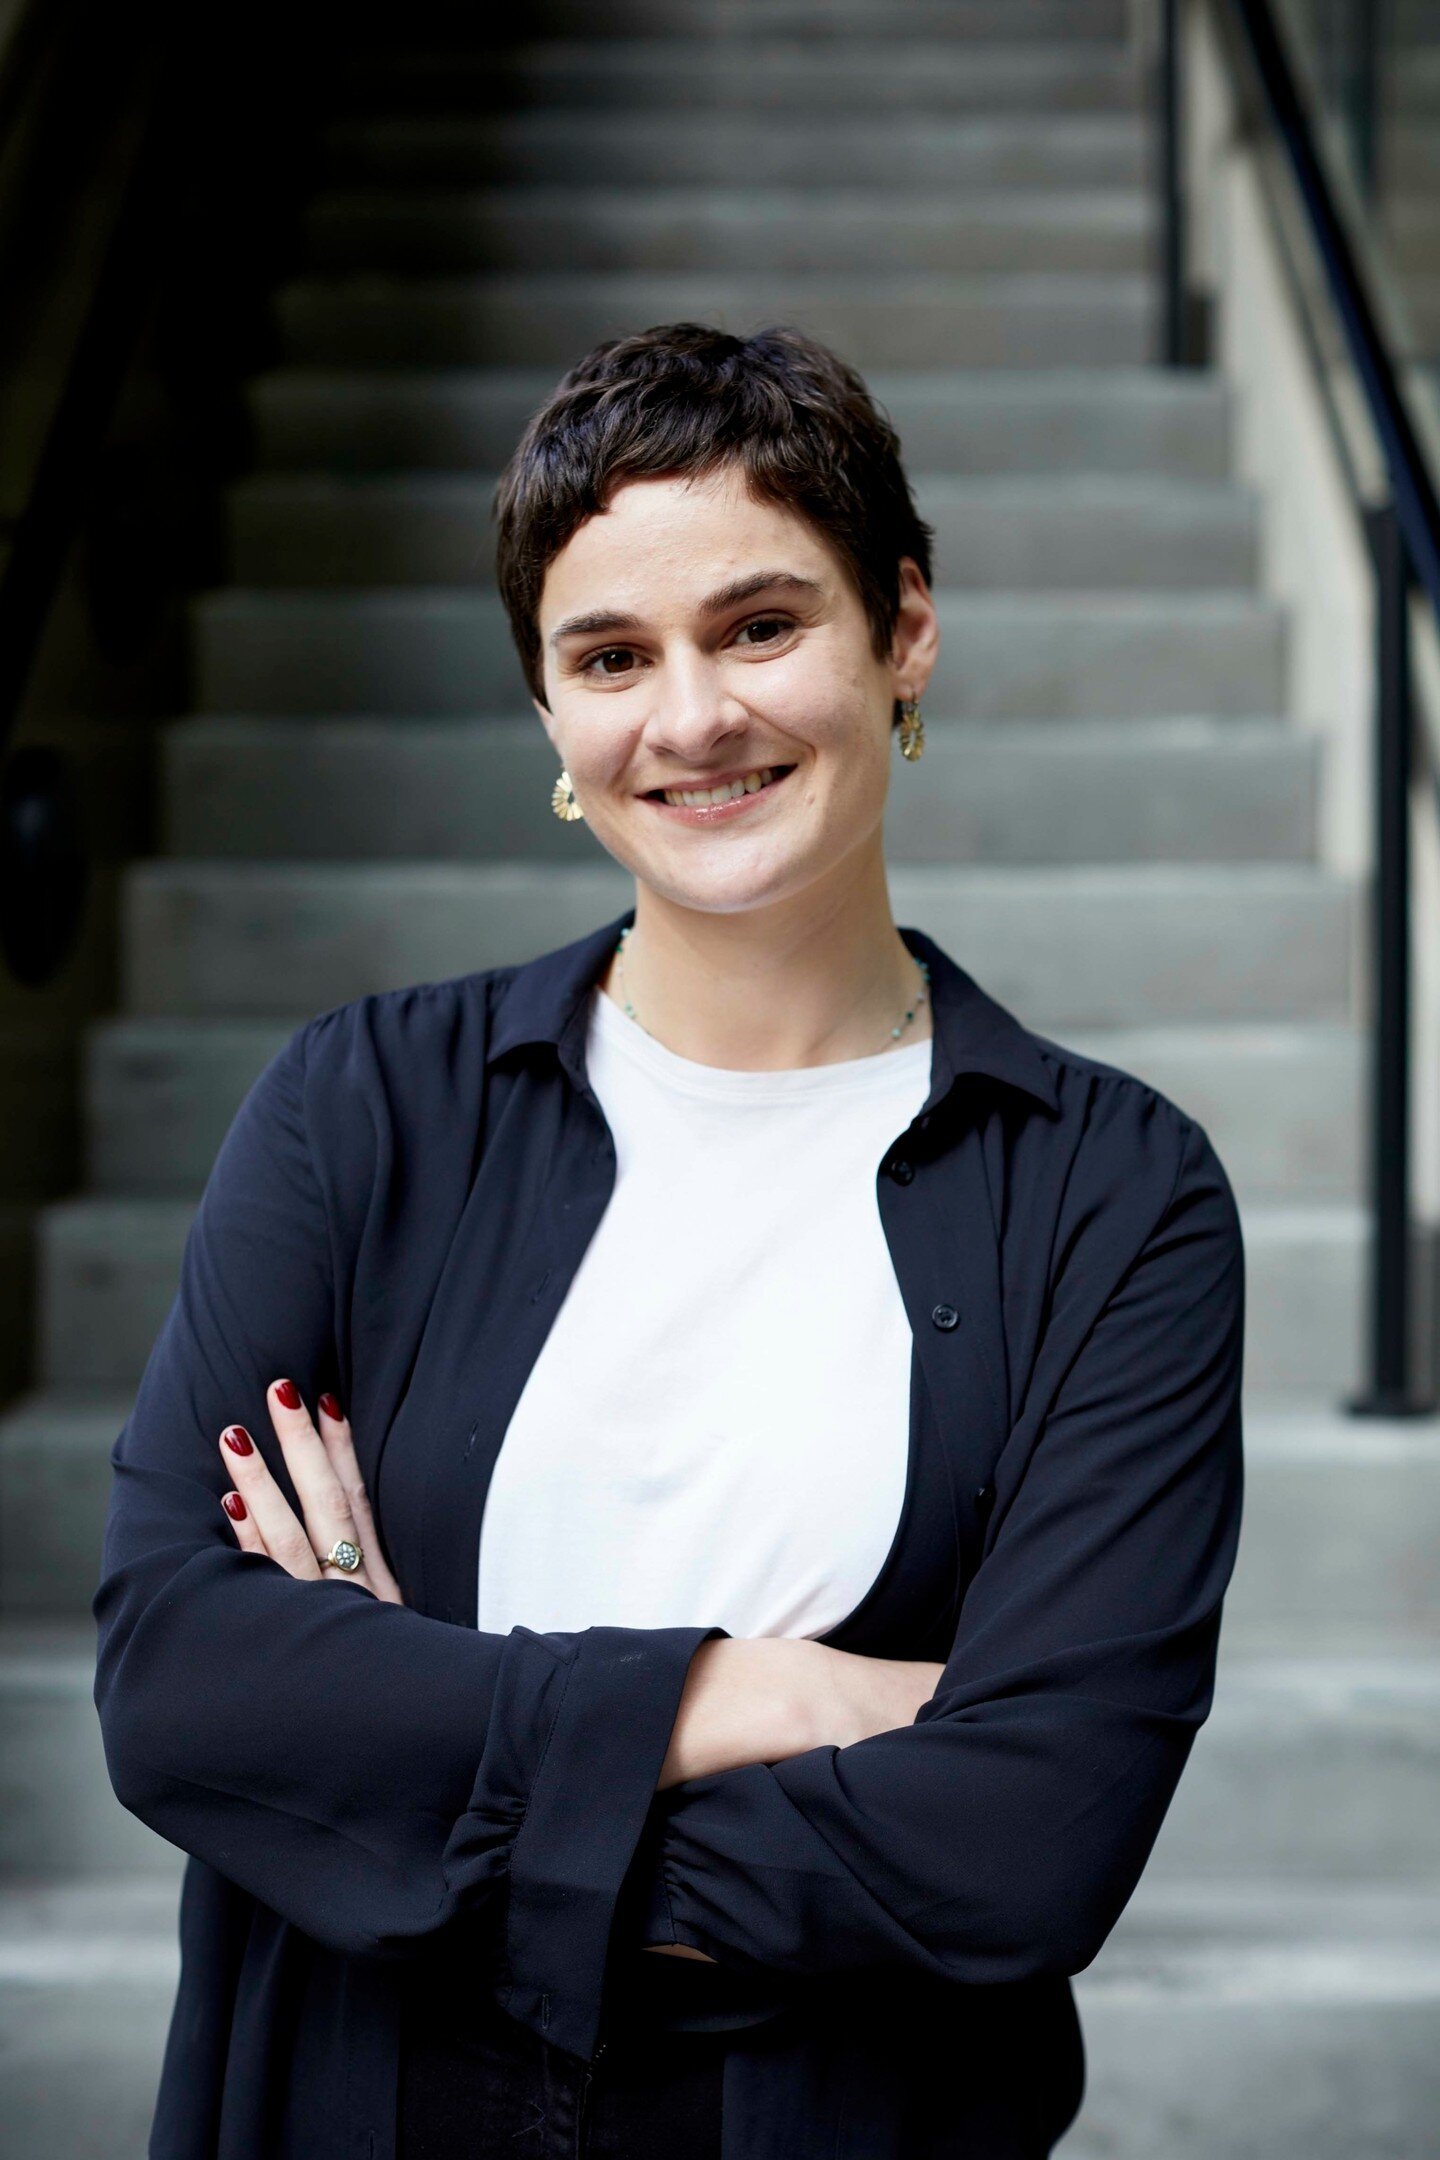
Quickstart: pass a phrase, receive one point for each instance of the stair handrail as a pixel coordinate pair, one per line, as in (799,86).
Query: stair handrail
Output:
(1402,535)
(44,870)
(197,111)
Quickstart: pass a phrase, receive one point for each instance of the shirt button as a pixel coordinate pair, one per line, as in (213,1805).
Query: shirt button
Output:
(945,1316)
(900,1170)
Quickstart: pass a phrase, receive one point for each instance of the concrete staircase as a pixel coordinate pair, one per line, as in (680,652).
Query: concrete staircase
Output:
(1113,827)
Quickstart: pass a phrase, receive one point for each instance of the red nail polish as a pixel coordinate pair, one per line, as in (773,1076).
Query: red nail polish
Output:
(330,1405)
(288,1393)
(234,1507)
(236,1437)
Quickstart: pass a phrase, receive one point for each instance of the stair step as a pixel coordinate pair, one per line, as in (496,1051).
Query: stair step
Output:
(1422,307)
(59,1810)
(110,1267)
(1139,421)
(1089,945)
(1282,1103)
(1409,156)
(1252,2022)
(1284,2024)
(438,651)
(1339,1552)
(1330,1763)
(702,229)
(88,1970)
(1008,534)
(1340,1544)
(1089,150)
(876,319)
(1041,792)
(816,20)
(791,75)
(1412,234)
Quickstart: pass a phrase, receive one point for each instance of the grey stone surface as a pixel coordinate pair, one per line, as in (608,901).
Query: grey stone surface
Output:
(878,319)
(1085,945)
(692,228)
(666,149)
(110,1267)
(1281,1101)
(1040,792)
(1047,422)
(779,77)
(1113,829)
(1035,533)
(440,649)
(1328,1761)
(1339,1555)
(59,1813)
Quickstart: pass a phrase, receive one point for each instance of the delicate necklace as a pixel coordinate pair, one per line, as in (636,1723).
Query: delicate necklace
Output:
(895,1032)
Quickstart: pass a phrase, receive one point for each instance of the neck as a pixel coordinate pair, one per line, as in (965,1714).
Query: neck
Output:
(806,981)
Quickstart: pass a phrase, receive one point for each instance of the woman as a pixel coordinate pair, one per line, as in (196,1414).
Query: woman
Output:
(741,1762)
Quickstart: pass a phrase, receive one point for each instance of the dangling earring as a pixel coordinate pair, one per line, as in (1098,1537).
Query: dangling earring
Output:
(912,730)
(562,799)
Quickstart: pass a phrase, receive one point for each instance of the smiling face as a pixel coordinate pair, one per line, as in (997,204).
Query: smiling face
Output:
(693,636)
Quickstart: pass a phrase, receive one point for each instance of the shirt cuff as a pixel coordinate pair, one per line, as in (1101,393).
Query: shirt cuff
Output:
(590,1764)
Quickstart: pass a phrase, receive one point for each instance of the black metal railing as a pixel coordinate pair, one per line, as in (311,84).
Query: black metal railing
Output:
(145,152)
(1402,530)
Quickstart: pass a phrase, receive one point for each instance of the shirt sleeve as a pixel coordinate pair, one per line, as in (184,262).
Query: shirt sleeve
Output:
(368,1772)
(1001,1835)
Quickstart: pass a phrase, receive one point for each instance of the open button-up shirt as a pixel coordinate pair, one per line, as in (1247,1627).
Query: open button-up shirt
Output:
(396,1212)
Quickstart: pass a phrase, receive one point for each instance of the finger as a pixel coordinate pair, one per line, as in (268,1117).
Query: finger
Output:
(242,1522)
(323,1499)
(340,1444)
(282,1534)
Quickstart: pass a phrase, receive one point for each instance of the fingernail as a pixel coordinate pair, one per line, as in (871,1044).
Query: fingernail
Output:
(288,1393)
(330,1405)
(234,1507)
(235,1436)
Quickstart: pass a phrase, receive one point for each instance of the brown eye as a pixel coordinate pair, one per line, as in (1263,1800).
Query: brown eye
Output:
(622,653)
(776,625)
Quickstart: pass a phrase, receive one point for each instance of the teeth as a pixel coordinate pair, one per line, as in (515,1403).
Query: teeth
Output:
(697,798)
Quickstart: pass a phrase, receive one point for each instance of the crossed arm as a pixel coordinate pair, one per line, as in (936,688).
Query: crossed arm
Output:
(375,1775)
(743,1700)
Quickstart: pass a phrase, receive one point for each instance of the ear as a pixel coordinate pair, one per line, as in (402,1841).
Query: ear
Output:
(916,643)
(546,719)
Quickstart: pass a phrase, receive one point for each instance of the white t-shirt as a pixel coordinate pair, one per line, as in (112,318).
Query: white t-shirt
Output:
(717,1427)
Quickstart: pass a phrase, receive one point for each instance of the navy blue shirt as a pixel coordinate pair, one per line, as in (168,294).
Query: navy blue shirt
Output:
(396,1213)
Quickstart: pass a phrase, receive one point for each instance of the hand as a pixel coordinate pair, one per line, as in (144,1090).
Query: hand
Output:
(326,1475)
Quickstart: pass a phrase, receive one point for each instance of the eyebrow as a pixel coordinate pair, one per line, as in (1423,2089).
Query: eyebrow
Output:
(716,603)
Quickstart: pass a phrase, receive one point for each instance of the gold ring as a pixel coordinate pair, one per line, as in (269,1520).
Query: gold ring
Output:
(343,1554)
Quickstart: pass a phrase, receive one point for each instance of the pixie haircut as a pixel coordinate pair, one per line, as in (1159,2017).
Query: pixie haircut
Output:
(683,398)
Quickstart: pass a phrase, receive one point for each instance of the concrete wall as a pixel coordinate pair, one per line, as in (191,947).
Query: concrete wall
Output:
(1313,550)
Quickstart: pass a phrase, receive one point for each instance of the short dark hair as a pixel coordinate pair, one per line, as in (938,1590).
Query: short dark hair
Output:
(683,398)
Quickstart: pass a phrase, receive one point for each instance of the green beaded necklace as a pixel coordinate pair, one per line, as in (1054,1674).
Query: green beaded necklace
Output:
(895,1032)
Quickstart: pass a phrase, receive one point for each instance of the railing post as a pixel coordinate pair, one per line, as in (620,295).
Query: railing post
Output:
(1388,1392)
(1172,192)
(1362,93)
(1182,339)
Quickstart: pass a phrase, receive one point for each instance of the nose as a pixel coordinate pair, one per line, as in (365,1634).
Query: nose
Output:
(693,710)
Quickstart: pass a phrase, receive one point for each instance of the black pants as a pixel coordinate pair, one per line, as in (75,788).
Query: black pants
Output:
(997,2075)
(477,2085)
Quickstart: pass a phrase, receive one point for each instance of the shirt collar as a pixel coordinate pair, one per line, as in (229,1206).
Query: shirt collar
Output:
(546,1001)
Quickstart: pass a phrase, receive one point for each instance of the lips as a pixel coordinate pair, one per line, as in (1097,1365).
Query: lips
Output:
(771,768)
(721,812)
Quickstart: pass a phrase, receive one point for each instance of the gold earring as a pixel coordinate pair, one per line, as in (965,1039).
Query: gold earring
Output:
(562,799)
(912,730)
